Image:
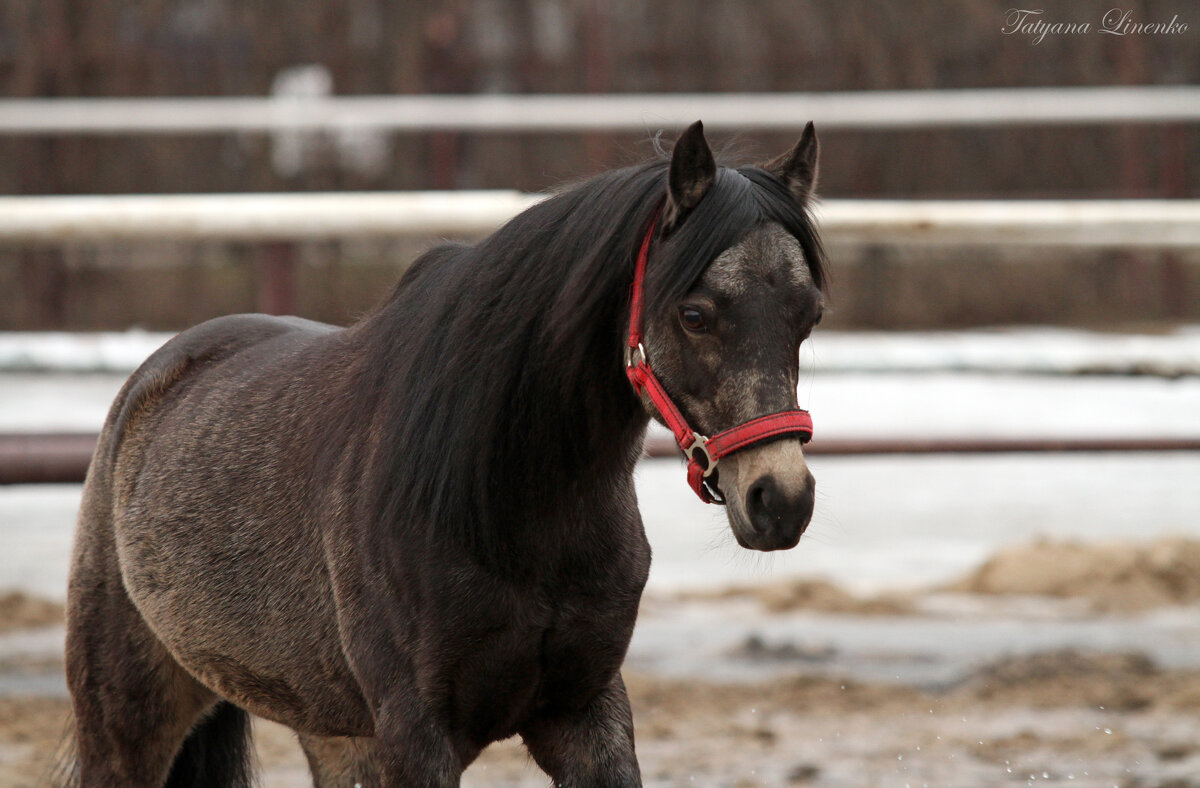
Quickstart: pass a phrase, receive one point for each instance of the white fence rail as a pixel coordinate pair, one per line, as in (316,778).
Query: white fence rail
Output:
(268,217)
(257,217)
(639,113)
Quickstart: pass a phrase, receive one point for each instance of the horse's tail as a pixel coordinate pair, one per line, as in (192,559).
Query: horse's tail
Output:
(217,753)
(64,766)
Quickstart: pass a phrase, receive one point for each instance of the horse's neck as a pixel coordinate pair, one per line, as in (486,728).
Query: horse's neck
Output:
(588,442)
(555,459)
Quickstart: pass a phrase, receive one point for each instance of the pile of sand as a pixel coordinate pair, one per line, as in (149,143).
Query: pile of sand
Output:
(823,597)
(1119,578)
(1121,682)
(21,611)
(1111,578)
(818,596)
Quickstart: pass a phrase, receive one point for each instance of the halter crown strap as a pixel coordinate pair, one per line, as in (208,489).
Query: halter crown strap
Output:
(702,453)
(637,306)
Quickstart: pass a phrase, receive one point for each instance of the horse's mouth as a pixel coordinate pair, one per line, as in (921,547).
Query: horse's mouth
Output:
(782,536)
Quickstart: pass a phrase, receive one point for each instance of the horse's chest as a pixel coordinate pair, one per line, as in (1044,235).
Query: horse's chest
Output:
(513,649)
(585,646)
(546,657)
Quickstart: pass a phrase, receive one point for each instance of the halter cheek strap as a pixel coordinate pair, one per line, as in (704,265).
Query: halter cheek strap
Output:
(702,453)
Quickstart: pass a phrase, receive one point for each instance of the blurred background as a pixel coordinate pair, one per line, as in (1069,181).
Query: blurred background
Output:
(1001,581)
(110,48)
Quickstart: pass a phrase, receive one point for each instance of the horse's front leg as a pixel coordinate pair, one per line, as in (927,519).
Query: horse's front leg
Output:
(341,761)
(591,747)
(411,749)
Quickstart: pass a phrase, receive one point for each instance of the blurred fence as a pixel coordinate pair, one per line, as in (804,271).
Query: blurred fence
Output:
(994,107)
(322,125)
(277,219)
(280,219)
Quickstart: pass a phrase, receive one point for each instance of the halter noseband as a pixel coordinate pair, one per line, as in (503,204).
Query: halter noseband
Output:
(702,453)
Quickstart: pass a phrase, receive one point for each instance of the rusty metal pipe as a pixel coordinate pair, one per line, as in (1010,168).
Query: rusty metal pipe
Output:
(45,458)
(63,458)
(664,446)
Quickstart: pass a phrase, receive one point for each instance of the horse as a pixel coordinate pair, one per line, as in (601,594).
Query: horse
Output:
(417,535)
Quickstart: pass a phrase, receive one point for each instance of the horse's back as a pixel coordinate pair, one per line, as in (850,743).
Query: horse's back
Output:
(203,484)
(191,352)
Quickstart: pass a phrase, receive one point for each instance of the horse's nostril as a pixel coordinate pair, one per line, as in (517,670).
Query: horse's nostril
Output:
(772,511)
(759,500)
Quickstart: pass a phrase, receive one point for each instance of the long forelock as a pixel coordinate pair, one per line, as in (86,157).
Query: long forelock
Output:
(738,201)
(780,205)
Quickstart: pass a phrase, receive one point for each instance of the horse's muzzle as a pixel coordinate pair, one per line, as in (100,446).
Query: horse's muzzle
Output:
(769,495)
(777,516)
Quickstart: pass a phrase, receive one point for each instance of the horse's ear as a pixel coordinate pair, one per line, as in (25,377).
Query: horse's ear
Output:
(693,171)
(798,167)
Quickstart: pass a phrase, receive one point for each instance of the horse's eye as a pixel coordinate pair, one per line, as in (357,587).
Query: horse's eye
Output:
(692,319)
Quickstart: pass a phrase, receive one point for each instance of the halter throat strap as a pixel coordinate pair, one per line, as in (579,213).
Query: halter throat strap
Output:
(702,453)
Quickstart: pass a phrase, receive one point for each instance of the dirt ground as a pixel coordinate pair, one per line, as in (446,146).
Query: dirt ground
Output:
(1057,718)
(1062,717)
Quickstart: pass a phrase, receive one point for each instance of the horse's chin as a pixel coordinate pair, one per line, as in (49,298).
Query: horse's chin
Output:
(751,539)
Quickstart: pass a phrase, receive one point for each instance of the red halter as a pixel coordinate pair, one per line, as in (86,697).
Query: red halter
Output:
(702,453)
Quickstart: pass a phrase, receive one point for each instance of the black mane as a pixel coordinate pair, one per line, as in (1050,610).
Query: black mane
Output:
(496,369)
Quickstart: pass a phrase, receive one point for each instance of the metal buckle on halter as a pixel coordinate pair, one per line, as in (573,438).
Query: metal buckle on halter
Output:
(697,452)
(714,492)
(700,446)
(635,357)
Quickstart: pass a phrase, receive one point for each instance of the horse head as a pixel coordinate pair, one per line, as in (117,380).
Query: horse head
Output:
(727,351)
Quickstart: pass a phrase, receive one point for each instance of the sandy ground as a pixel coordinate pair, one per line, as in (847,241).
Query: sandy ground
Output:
(1057,718)
(1066,717)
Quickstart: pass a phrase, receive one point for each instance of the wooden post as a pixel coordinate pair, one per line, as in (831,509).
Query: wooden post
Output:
(276,282)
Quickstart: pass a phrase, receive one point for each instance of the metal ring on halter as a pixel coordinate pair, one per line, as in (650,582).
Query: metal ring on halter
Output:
(714,492)
(640,353)
(700,446)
